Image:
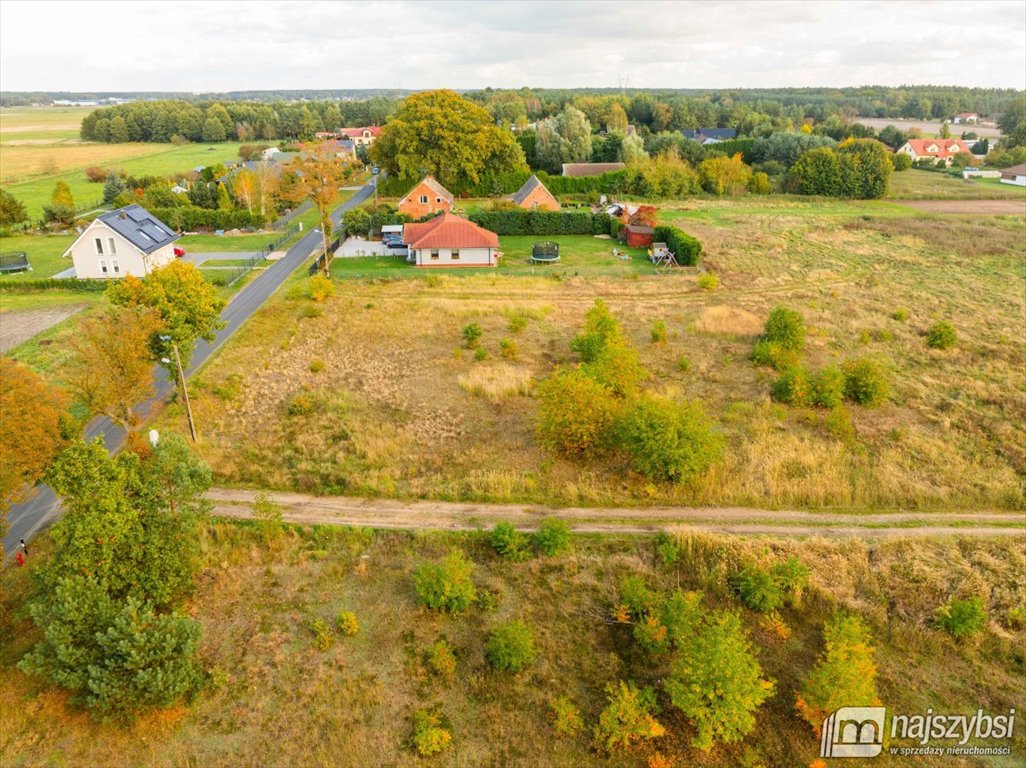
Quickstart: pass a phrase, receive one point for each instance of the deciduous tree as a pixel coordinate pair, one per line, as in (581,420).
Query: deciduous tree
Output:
(12,211)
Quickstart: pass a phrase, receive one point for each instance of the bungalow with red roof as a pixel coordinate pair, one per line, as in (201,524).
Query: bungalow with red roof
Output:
(427,197)
(362,136)
(937,150)
(450,241)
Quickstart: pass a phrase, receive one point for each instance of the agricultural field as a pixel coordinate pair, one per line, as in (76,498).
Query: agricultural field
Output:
(915,184)
(285,690)
(373,392)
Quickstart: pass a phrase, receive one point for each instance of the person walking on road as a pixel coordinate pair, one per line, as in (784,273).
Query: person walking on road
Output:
(20,559)
(24,547)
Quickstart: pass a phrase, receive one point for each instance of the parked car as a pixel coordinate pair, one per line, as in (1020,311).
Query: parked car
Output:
(179,252)
(375,170)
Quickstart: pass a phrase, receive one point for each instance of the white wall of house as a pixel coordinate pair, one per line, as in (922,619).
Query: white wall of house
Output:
(113,255)
(451,257)
(1019,180)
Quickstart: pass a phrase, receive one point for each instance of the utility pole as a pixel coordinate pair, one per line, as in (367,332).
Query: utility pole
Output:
(185,390)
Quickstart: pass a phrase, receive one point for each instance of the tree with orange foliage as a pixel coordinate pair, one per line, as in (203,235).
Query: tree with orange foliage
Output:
(321,173)
(30,430)
(112,369)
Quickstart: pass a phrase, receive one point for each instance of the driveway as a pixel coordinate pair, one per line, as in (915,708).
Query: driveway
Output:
(354,247)
(199,258)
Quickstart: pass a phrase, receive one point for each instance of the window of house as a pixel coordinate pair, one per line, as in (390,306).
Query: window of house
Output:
(103,265)
(434,254)
(117,267)
(438,199)
(423,198)
(110,244)
(99,247)
(455,254)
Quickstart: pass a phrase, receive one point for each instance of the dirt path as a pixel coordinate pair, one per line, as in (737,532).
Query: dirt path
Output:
(967,206)
(440,515)
(20,325)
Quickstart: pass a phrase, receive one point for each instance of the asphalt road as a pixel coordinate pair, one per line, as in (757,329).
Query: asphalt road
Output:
(30,517)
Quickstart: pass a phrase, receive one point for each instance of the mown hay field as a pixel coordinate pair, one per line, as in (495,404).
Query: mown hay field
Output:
(384,413)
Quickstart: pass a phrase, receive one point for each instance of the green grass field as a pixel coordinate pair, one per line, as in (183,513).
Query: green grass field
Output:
(915,184)
(44,254)
(51,124)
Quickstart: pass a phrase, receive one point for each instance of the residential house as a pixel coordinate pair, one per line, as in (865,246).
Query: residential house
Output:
(534,195)
(971,172)
(450,241)
(128,241)
(590,169)
(428,196)
(1016,175)
(937,150)
(966,118)
(362,136)
(710,135)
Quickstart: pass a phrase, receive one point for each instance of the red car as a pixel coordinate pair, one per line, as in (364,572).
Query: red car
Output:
(179,252)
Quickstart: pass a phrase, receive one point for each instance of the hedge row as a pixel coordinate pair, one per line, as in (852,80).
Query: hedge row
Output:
(731,147)
(191,217)
(520,222)
(70,285)
(684,247)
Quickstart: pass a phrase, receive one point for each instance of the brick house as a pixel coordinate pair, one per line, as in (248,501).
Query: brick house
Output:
(428,196)
(534,195)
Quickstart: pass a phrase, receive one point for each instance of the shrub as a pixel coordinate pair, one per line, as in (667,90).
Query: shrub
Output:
(671,441)
(310,311)
(900,314)
(480,354)
(637,597)
(844,675)
(323,638)
(792,387)
(617,367)
(667,548)
(552,537)
(509,349)
(901,161)
(440,660)
(962,618)
(517,321)
(658,332)
(864,382)
(508,542)
(347,623)
(827,387)
(759,184)
(786,328)
(599,327)
(301,404)
(471,335)
(628,717)
(684,247)
(446,586)
(431,733)
(683,364)
(576,414)
(269,515)
(777,357)
(96,174)
(791,577)
(321,288)
(716,681)
(839,424)
(757,589)
(708,281)
(316,366)
(941,335)
(566,717)
(510,646)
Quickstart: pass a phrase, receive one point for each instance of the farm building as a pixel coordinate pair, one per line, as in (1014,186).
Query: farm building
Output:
(710,135)
(428,196)
(450,241)
(591,169)
(638,235)
(128,241)
(966,118)
(534,195)
(938,150)
(1016,175)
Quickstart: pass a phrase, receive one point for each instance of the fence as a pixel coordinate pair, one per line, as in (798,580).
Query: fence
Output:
(319,261)
(233,274)
(303,208)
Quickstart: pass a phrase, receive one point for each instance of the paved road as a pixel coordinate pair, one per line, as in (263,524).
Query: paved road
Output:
(30,517)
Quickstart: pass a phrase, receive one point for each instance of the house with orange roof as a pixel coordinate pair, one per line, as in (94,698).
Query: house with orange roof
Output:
(364,136)
(937,150)
(451,241)
(427,197)
(535,196)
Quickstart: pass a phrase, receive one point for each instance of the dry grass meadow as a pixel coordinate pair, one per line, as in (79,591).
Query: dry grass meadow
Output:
(276,699)
(389,409)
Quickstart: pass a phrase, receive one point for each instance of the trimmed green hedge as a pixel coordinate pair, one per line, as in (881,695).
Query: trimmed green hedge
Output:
(71,285)
(686,248)
(190,217)
(521,222)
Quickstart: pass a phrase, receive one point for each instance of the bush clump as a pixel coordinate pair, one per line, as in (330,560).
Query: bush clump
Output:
(440,659)
(509,349)
(446,586)
(941,335)
(510,646)
(472,335)
(962,619)
(320,288)
(347,623)
(667,440)
(658,332)
(431,733)
(827,387)
(552,537)
(864,382)
(576,414)
(628,717)
(508,542)
(566,717)
(792,387)
(786,328)
(708,281)
(775,356)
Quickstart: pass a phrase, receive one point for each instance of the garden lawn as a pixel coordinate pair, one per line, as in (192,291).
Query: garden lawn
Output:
(44,255)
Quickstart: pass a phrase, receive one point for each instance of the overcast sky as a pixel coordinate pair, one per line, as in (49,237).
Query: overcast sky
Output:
(217,46)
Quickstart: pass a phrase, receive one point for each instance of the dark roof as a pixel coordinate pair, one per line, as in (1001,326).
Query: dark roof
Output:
(139,227)
(528,187)
(721,134)
(1015,170)
(590,169)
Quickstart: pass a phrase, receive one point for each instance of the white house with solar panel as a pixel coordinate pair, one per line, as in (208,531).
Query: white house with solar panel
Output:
(128,241)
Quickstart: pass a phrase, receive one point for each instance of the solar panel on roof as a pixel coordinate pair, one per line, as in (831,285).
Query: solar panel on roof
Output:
(155,232)
(138,215)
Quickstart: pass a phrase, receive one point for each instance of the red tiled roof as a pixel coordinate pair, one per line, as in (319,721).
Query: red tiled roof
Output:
(448,231)
(351,132)
(966,114)
(431,183)
(945,147)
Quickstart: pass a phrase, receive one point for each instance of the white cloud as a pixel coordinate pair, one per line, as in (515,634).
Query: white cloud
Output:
(212,46)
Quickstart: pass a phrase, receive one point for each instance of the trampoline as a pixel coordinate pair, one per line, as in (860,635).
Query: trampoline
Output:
(545,253)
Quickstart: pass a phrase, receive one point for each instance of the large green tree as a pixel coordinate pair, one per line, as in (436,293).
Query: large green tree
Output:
(1013,124)
(448,136)
(12,210)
